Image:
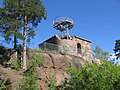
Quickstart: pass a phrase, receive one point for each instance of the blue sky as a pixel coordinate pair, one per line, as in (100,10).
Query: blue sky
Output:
(95,20)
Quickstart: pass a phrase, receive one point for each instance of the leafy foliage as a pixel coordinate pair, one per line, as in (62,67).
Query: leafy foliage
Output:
(9,22)
(12,18)
(105,76)
(100,54)
(16,64)
(13,13)
(5,84)
(30,76)
(21,15)
(117,48)
(52,82)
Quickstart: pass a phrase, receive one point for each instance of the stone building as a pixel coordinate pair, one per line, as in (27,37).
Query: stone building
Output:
(73,45)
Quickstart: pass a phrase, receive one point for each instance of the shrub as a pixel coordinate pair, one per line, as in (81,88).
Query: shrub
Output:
(52,84)
(30,76)
(105,76)
(16,64)
(5,84)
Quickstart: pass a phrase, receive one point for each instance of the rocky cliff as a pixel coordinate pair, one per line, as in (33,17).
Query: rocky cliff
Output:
(53,64)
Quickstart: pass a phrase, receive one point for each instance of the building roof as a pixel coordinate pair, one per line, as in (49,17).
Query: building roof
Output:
(56,36)
(53,37)
(83,39)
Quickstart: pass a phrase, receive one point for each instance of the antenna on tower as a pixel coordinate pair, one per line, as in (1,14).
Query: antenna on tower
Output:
(63,24)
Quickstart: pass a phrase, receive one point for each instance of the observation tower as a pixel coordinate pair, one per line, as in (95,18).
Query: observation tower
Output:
(63,24)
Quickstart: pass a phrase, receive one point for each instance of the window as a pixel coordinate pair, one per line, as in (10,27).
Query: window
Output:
(79,48)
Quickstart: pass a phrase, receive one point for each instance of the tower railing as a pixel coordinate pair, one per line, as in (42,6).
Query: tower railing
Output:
(63,24)
(62,19)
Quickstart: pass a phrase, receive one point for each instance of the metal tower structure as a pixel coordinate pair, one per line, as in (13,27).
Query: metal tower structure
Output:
(63,24)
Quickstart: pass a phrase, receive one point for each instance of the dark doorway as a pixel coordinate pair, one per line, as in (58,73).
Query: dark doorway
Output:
(79,48)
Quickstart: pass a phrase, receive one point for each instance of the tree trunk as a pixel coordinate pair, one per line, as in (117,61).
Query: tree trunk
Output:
(24,64)
(15,40)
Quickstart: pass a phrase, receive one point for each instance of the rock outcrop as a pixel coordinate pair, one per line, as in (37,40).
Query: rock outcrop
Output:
(55,64)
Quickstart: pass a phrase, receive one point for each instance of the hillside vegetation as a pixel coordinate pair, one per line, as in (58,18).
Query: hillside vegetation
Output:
(56,71)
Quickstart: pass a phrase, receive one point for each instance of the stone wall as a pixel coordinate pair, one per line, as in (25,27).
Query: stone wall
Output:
(86,48)
(69,46)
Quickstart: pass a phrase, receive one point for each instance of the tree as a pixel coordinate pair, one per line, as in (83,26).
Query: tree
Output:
(104,76)
(29,13)
(117,48)
(100,54)
(105,55)
(9,22)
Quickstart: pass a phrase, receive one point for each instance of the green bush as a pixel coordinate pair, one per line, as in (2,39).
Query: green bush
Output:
(5,84)
(105,76)
(16,64)
(30,76)
(52,84)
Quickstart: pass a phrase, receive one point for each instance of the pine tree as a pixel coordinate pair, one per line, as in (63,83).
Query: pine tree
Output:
(32,11)
(9,22)
(29,13)
(117,48)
